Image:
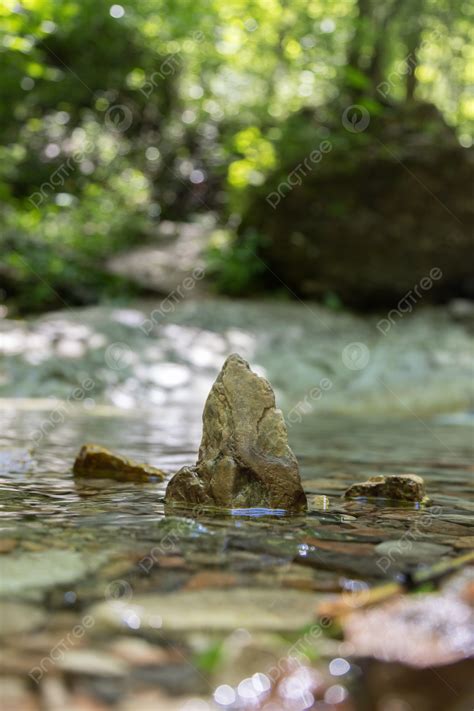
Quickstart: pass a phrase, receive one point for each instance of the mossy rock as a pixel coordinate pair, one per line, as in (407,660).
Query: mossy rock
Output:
(379,212)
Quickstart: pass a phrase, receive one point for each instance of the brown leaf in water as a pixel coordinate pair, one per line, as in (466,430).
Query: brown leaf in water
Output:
(8,544)
(341,546)
(463,542)
(211,579)
(139,652)
(417,630)
(171,561)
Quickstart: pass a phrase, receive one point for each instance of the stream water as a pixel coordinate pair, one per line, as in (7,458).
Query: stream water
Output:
(106,554)
(109,601)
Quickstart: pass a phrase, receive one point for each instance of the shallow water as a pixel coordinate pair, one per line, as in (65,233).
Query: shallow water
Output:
(74,546)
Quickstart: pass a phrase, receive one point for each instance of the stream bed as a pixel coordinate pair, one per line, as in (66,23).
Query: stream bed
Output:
(108,601)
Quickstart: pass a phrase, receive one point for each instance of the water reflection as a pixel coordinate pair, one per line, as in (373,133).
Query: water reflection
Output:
(38,488)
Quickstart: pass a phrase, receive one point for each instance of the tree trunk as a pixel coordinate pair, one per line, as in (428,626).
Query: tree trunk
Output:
(413,44)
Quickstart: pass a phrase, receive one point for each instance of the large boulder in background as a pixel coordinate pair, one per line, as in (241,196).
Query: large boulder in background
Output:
(381,210)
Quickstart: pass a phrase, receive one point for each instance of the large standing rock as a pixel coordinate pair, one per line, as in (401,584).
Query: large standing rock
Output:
(244,457)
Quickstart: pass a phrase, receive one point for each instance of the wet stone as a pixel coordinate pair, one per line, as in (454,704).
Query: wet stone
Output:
(8,544)
(244,458)
(464,519)
(395,487)
(16,617)
(319,503)
(211,579)
(173,678)
(412,551)
(140,652)
(357,549)
(97,462)
(93,663)
(15,694)
(209,609)
(29,573)
(463,542)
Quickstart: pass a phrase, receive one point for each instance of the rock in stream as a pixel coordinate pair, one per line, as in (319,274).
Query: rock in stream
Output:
(244,458)
(396,487)
(94,461)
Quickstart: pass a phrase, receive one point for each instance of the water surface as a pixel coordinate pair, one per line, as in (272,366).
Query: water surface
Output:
(72,545)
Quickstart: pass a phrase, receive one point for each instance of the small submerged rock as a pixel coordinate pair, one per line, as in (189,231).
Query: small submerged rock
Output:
(18,617)
(27,574)
(407,551)
(92,662)
(319,503)
(7,545)
(94,461)
(244,458)
(398,487)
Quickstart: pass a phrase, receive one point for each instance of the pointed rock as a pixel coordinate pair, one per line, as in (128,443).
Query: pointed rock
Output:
(244,458)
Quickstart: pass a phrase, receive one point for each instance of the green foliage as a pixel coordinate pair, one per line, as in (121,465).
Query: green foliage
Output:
(355,78)
(110,123)
(56,258)
(209,659)
(233,263)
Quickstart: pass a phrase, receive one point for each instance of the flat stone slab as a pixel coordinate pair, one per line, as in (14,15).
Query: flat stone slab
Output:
(411,550)
(225,610)
(92,663)
(28,572)
(17,617)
